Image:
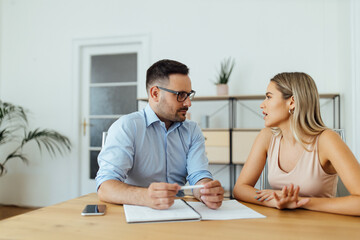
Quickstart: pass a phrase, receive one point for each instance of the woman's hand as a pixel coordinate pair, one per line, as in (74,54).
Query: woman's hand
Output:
(266,194)
(289,198)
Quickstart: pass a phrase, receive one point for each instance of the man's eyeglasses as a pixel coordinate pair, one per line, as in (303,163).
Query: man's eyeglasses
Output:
(181,96)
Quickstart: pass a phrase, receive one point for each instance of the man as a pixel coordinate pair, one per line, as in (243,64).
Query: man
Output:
(149,154)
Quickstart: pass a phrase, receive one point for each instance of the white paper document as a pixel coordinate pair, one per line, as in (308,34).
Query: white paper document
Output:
(230,209)
(189,211)
(179,211)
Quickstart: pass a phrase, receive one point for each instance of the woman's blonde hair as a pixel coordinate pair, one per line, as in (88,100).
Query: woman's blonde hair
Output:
(305,119)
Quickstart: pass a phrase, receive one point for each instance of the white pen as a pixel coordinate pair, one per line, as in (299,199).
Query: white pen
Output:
(191,187)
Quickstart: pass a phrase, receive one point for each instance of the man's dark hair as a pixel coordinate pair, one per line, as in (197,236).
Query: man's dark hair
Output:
(160,71)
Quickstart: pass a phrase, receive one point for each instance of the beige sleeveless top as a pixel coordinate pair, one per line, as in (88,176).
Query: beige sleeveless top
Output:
(307,174)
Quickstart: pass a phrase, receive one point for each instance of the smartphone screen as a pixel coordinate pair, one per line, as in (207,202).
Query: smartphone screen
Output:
(94,210)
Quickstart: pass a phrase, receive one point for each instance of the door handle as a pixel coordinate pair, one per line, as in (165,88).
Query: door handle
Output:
(84,125)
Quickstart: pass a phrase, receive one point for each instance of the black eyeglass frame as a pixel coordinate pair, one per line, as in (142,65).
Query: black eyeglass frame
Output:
(190,94)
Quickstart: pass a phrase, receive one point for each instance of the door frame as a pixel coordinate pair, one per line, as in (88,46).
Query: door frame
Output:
(78,47)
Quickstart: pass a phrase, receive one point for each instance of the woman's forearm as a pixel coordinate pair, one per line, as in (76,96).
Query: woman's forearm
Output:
(247,193)
(349,205)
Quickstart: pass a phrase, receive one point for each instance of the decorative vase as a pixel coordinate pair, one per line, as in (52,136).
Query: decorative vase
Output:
(222,89)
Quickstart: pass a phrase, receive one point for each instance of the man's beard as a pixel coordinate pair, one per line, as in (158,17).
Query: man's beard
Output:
(182,114)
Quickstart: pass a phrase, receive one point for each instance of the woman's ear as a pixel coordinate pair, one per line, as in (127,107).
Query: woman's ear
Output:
(292,103)
(154,94)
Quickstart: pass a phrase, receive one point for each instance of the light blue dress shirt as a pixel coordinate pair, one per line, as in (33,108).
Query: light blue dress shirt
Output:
(139,150)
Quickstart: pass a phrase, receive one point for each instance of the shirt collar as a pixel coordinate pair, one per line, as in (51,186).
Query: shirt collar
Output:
(151,117)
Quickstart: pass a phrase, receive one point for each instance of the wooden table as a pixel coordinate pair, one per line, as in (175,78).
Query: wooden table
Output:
(64,221)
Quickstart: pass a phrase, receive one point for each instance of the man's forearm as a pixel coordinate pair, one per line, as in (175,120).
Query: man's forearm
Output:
(117,192)
(158,195)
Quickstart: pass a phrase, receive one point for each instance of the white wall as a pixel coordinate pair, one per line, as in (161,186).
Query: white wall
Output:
(265,38)
(355,36)
(1,17)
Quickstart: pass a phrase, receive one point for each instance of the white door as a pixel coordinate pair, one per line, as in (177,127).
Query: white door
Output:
(108,75)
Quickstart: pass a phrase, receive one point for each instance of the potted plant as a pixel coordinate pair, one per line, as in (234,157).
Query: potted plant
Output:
(222,80)
(14,133)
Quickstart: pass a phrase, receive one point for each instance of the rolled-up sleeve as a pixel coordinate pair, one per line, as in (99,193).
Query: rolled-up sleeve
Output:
(197,162)
(116,157)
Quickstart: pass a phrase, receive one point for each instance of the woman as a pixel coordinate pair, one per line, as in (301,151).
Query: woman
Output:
(305,158)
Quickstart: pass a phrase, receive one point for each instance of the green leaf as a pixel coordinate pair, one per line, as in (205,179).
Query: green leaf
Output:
(13,119)
(52,141)
(11,112)
(226,68)
(2,169)
(17,155)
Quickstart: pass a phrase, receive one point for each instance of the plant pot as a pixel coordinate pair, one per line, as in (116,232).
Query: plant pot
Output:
(222,89)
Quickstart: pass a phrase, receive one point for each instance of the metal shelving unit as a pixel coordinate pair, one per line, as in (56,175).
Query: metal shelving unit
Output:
(232,100)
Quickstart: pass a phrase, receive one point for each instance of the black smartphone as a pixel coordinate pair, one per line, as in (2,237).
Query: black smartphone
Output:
(93,210)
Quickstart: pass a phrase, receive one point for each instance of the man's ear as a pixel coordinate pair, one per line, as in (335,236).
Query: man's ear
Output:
(154,94)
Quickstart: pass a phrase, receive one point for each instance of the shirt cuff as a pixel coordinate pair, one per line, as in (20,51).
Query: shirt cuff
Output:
(197,176)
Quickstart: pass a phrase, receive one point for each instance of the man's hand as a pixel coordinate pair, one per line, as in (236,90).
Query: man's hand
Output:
(212,194)
(162,195)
